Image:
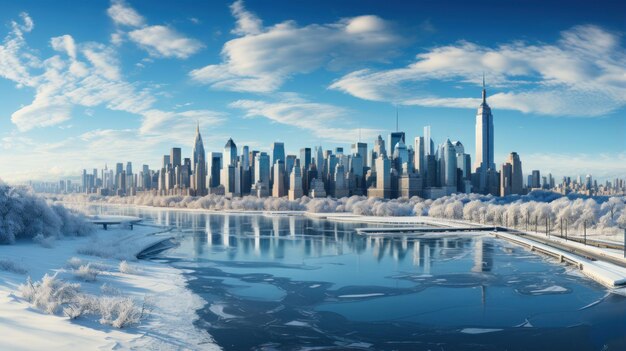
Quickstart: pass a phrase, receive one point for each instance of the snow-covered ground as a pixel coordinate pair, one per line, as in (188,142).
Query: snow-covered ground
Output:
(168,326)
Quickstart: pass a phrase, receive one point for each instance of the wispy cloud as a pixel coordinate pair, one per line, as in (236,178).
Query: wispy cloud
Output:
(582,74)
(324,121)
(79,74)
(124,15)
(157,40)
(263,57)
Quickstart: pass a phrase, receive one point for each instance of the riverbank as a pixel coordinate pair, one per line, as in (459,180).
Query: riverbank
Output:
(158,287)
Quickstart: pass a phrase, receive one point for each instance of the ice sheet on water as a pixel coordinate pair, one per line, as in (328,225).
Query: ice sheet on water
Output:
(526,324)
(554,289)
(296,323)
(479,330)
(595,302)
(357,296)
(360,345)
(218,310)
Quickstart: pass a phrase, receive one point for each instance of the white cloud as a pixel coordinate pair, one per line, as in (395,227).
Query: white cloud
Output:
(70,80)
(162,41)
(323,121)
(247,22)
(124,15)
(582,74)
(88,75)
(157,40)
(64,43)
(16,59)
(262,58)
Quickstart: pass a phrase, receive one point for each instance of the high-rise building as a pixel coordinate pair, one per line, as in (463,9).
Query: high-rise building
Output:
(394,138)
(511,176)
(378,150)
(535,179)
(175,157)
(319,160)
(448,159)
(383,179)
(295,182)
(305,157)
(484,135)
(419,150)
(278,152)
(361,149)
(340,188)
(429,147)
(400,155)
(278,189)
(215,169)
(199,165)
(230,153)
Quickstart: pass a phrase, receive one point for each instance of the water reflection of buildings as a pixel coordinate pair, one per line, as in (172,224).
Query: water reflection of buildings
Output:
(483,256)
(276,237)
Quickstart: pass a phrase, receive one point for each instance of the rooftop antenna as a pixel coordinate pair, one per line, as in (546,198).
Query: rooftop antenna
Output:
(484,91)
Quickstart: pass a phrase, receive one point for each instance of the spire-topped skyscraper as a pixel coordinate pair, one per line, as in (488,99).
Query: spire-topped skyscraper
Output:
(199,164)
(484,135)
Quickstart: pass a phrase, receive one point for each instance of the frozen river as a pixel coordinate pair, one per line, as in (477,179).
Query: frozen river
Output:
(297,283)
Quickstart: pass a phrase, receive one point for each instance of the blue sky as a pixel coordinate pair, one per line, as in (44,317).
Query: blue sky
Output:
(89,82)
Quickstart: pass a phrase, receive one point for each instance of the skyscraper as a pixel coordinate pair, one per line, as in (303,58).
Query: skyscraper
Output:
(394,138)
(305,157)
(383,179)
(199,164)
(419,156)
(536,179)
(484,135)
(428,142)
(279,179)
(361,149)
(230,153)
(295,182)
(378,150)
(511,177)
(448,176)
(278,152)
(175,157)
(215,167)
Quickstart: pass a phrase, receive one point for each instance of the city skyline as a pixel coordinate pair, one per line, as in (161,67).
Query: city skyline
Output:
(127,95)
(428,170)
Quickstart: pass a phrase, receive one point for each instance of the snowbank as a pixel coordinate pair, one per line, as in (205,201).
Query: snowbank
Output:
(115,288)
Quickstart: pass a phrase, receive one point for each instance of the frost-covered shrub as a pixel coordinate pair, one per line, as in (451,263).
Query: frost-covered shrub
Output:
(107,289)
(25,215)
(50,293)
(53,295)
(119,312)
(74,263)
(125,267)
(10,266)
(87,273)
